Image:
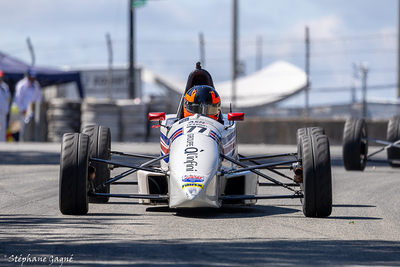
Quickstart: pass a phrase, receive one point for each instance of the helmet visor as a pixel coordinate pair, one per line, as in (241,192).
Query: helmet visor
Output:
(205,109)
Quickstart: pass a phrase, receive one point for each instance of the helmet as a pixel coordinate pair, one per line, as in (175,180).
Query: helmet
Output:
(202,99)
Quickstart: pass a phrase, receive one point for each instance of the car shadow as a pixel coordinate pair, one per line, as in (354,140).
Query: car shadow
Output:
(225,211)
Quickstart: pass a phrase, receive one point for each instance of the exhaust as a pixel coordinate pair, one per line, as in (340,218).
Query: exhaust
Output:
(91,173)
(298,175)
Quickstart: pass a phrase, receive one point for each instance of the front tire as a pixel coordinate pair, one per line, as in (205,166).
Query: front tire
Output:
(100,148)
(74,185)
(393,135)
(307,131)
(317,176)
(355,145)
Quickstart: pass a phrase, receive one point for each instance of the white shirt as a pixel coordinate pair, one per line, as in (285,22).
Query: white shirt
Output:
(4,98)
(27,92)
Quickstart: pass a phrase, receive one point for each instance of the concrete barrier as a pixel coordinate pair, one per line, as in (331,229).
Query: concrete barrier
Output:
(255,130)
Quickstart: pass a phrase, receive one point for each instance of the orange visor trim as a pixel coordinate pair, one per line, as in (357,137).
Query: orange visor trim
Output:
(190,98)
(215,100)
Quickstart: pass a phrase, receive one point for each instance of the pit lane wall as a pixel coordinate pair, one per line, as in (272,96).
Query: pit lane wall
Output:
(256,130)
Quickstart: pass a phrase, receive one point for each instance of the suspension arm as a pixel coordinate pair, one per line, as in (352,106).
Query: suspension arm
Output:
(259,173)
(134,169)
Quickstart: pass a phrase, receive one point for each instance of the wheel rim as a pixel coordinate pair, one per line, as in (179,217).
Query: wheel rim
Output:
(363,146)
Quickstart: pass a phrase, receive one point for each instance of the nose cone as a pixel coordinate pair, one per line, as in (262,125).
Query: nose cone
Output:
(192,190)
(194,194)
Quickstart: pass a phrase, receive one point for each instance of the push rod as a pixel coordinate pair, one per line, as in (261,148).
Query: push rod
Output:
(244,197)
(388,144)
(125,165)
(272,169)
(260,173)
(242,158)
(262,166)
(134,169)
(153,197)
(134,155)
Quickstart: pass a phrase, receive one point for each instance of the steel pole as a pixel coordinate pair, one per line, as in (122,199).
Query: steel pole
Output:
(131,74)
(31,51)
(364,70)
(307,73)
(259,53)
(234,52)
(110,70)
(398,52)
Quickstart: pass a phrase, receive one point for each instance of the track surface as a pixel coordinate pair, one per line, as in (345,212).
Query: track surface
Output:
(363,230)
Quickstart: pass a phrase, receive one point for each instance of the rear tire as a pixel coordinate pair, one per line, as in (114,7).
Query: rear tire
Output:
(317,176)
(100,148)
(74,185)
(355,146)
(393,135)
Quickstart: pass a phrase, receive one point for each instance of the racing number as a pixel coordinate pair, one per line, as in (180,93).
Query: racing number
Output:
(202,129)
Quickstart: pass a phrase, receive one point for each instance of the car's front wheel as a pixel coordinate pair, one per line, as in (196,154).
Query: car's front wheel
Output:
(317,177)
(73,182)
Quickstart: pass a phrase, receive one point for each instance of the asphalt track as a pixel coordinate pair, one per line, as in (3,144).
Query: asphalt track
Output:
(363,230)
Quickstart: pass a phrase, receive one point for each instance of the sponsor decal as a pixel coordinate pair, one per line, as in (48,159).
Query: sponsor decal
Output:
(197,123)
(192,178)
(190,140)
(192,185)
(191,156)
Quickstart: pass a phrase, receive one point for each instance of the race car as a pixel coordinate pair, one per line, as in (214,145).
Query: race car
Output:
(199,165)
(356,141)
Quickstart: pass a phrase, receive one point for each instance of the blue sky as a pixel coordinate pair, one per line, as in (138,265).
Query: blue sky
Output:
(72,32)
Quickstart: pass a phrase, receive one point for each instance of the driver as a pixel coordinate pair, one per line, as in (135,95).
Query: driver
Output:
(202,99)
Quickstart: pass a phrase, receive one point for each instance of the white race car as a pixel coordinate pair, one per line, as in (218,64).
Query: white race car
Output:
(199,166)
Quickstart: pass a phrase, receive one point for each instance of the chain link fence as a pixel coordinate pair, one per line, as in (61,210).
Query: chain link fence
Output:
(345,72)
(340,67)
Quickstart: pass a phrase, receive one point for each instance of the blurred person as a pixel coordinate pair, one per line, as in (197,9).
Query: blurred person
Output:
(27,91)
(5,97)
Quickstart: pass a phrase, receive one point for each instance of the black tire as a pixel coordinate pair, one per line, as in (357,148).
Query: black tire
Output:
(74,185)
(308,185)
(100,148)
(393,135)
(355,146)
(317,176)
(307,131)
(322,158)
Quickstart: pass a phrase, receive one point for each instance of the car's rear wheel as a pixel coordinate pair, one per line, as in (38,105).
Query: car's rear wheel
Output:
(317,177)
(393,135)
(73,184)
(355,145)
(100,148)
